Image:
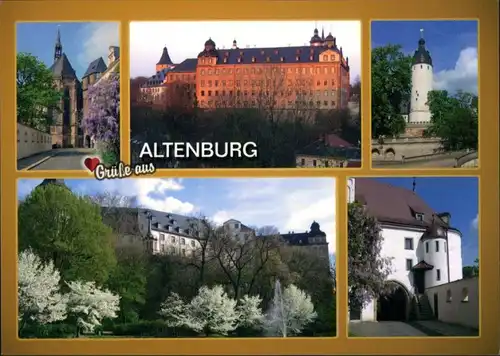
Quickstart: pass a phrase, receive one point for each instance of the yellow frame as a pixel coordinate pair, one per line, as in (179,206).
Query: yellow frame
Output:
(48,10)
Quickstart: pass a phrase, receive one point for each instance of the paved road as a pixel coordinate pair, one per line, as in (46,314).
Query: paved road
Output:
(59,159)
(383,329)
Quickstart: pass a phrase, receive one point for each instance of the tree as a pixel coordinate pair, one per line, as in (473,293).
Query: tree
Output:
(38,289)
(212,311)
(471,271)
(37,96)
(102,121)
(291,310)
(68,230)
(367,269)
(249,312)
(174,311)
(454,119)
(391,88)
(88,305)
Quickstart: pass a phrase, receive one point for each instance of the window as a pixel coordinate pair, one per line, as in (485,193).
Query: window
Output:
(173,239)
(448,296)
(465,295)
(409,264)
(445,247)
(236,226)
(302,162)
(408,243)
(183,241)
(193,243)
(438,275)
(419,216)
(162,237)
(427,247)
(314,163)
(437,246)
(325,58)
(183,252)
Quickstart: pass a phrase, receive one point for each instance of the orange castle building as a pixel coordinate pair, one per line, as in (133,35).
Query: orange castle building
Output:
(312,77)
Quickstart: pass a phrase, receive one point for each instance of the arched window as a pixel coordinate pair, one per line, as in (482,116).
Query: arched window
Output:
(465,295)
(448,296)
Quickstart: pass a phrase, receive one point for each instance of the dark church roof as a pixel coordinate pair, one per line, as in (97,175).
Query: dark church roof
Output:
(62,68)
(96,66)
(189,65)
(165,58)
(396,205)
(422,55)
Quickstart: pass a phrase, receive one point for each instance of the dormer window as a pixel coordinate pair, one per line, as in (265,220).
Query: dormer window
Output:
(419,216)
(239,60)
(253,59)
(282,59)
(225,60)
(311,58)
(268,59)
(297,58)
(262,52)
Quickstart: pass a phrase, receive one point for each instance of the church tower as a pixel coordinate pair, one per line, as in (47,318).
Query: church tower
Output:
(421,81)
(58,46)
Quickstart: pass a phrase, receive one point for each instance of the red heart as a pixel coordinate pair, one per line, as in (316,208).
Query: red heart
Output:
(91,163)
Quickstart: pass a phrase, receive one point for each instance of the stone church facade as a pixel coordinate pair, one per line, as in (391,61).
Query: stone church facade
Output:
(66,130)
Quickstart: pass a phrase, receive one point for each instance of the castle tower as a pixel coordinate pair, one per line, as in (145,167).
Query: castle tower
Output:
(435,254)
(165,62)
(351,190)
(58,46)
(421,82)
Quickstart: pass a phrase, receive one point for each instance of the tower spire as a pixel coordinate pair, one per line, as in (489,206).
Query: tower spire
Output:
(422,33)
(58,45)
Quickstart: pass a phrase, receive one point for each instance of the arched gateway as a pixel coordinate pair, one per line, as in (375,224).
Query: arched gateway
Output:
(395,305)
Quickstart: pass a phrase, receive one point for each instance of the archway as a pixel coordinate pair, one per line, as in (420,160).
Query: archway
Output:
(390,153)
(394,306)
(375,153)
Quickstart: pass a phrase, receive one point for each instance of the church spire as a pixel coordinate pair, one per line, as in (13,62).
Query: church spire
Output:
(58,46)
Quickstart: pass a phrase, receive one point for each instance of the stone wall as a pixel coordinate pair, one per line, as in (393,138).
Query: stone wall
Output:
(457,302)
(409,147)
(31,141)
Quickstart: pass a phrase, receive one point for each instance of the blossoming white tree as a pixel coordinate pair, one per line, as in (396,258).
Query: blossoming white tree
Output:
(173,310)
(290,311)
(38,290)
(90,305)
(249,312)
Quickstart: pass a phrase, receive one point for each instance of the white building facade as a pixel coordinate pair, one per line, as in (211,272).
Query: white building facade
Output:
(421,85)
(424,253)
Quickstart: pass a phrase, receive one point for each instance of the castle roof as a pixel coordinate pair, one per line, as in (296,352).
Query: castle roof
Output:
(396,205)
(188,65)
(302,238)
(422,55)
(96,66)
(165,58)
(54,182)
(296,54)
(63,68)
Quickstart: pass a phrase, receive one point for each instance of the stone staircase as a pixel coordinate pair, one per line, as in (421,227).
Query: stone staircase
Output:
(423,308)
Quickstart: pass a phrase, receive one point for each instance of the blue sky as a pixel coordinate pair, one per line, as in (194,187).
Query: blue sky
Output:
(82,41)
(452,44)
(458,196)
(290,204)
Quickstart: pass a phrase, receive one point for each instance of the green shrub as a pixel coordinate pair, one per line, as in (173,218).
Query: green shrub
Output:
(48,331)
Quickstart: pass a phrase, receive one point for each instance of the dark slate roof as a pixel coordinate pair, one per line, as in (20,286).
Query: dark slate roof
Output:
(96,66)
(165,58)
(168,222)
(395,205)
(62,68)
(300,239)
(422,265)
(189,65)
(275,54)
(321,149)
(422,55)
(156,79)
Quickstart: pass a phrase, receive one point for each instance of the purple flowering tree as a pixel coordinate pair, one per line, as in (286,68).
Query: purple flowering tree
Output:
(102,121)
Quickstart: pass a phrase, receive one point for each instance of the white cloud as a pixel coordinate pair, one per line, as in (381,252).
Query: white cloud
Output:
(97,37)
(290,204)
(186,39)
(475,222)
(464,76)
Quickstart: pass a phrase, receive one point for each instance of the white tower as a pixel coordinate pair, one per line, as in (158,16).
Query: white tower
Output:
(421,82)
(435,253)
(351,190)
